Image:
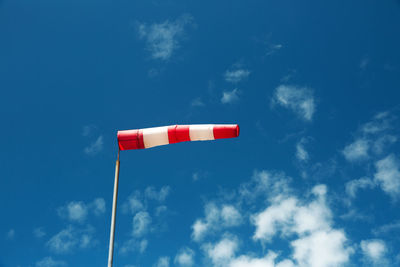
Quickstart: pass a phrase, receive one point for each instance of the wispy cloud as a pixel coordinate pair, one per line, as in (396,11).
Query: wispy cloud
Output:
(70,239)
(141,223)
(273,48)
(388,175)
(162,39)
(301,153)
(95,147)
(197,102)
(185,257)
(77,211)
(222,252)
(356,151)
(88,130)
(298,99)
(216,218)
(162,262)
(152,193)
(39,232)
(374,251)
(134,244)
(49,262)
(230,96)
(235,76)
(353,186)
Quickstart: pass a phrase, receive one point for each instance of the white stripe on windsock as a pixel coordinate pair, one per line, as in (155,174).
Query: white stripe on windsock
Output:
(201,132)
(156,136)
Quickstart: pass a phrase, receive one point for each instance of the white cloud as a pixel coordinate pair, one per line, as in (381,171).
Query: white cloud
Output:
(11,234)
(185,257)
(289,215)
(99,206)
(162,262)
(356,151)
(271,219)
(322,249)
(318,244)
(388,175)
(301,152)
(230,216)
(299,100)
(223,251)
(87,130)
(272,49)
(235,76)
(163,39)
(71,238)
(133,244)
(63,242)
(78,211)
(379,123)
(160,196)
(143,245)
(384,229)
(353,186)
(134,203)
(141,223)
(49,262)
(230,96)
(199,230)
(39,232)
(75,211)
(216,218)
(95,147)
(383,142)
(275,185)
(374,250)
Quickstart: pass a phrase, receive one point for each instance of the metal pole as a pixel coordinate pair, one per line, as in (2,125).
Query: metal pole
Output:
(114,211)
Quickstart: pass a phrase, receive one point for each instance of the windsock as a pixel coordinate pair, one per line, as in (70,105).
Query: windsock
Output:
(158,136)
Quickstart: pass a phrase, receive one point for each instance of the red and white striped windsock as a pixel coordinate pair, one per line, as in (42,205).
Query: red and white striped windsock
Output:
(158,136)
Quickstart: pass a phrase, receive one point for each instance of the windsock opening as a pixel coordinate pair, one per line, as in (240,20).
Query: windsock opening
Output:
(226,131)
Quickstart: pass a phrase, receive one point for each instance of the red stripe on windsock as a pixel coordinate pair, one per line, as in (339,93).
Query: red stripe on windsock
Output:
(182,133)
(172,134)
(130,139)
(178,133)
(226,131)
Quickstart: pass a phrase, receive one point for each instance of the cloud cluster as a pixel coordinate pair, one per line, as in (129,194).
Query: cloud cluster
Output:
(49,262)
(230,96)
(305,224)
(143,222)
(77,211)
(374,251)
(235,76)
(95,147)
(71,238)
(216,218)
(162,39)
(371,141)
(185,257)
(78,234)
(298,99)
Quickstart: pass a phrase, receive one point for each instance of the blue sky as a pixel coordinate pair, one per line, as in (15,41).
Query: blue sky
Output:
(313,179)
